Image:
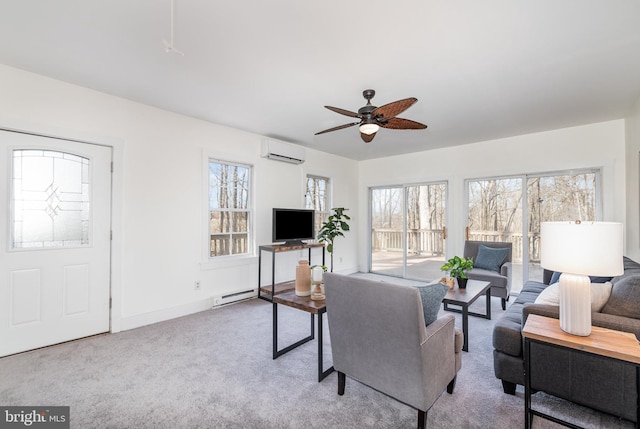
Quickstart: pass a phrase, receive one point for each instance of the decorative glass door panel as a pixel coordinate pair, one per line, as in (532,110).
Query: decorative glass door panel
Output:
(50,199)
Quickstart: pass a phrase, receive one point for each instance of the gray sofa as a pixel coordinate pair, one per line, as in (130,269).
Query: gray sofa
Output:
(607,386)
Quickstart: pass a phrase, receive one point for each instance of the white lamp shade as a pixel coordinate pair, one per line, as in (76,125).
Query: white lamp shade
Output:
(369,128)
(589,248)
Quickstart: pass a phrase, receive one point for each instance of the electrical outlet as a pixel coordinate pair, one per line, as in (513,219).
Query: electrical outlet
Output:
(196,285)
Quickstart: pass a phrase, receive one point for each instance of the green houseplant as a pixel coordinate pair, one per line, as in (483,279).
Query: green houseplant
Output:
(457,268)
(334,227)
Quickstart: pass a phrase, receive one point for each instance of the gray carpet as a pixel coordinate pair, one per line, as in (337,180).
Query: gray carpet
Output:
(214,370)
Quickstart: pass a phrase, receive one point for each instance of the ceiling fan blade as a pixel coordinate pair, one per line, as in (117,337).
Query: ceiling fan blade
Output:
(392,110)
(337,128)
(402,124)
(343,111)
(367,137)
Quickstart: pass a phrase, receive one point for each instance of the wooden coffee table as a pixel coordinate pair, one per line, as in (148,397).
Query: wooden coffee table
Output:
(464,298)
(304,303)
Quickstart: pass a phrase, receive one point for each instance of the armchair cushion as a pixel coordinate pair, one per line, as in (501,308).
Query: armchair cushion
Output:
(431,296)
(490,258)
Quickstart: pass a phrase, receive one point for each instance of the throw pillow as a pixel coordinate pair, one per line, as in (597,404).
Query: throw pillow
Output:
(625,298)
(549,295)
(600,293)
(490,258)
(432,296)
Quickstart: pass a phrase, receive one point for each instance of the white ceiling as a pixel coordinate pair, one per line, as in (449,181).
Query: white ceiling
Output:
(480,69)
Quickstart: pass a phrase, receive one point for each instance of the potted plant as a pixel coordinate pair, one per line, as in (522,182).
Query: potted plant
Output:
(332,228)
(457,268)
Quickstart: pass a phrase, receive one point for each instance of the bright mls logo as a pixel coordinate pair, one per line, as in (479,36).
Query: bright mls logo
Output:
(34,417)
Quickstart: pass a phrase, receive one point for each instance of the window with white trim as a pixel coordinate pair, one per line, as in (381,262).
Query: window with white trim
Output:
(316,197)
(230,212)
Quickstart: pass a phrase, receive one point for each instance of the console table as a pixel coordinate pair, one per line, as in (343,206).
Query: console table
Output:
(607,343)
(267,293)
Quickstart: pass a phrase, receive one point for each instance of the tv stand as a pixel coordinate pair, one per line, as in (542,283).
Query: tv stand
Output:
(267,292)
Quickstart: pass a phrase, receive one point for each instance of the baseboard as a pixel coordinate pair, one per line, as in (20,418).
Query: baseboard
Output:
(165,314)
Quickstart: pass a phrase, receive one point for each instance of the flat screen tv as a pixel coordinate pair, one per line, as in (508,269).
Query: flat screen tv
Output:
(292,226)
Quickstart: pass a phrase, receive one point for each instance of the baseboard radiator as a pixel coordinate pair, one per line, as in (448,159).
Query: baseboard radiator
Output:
(234,297)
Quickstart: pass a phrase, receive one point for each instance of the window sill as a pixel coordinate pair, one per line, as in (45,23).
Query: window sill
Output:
(228,262)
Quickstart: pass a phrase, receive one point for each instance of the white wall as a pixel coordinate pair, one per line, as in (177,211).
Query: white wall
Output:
(159,218)
(595,145)
(159,224)
(633,183)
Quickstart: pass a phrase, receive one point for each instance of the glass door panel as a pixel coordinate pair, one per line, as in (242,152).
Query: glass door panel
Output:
(425,233)
(408,230)
(387,225)
(495,214)
(557,198)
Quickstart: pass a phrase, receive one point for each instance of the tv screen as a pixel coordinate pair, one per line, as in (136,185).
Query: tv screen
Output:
(291,226)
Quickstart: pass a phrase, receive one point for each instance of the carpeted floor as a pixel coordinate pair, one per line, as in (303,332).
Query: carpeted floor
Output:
(215,370)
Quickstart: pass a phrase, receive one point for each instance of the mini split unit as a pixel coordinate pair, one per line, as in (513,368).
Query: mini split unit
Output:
(281,151)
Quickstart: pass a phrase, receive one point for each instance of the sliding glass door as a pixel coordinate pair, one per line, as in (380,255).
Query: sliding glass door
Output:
(408,232)
(511,209)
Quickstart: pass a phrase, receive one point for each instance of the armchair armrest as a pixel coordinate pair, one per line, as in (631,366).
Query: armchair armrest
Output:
(438,348)
(506,270)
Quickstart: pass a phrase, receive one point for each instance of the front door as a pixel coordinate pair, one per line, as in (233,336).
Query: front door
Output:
(55,234)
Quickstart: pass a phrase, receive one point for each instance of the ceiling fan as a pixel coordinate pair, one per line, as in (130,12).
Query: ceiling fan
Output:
(372,117)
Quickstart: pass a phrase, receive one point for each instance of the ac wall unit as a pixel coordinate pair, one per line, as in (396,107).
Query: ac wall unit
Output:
(281,151)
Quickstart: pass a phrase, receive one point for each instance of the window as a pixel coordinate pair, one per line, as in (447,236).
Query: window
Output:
(317,198)
(229,208)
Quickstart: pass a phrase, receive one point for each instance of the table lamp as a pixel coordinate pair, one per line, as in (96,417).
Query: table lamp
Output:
(578,250)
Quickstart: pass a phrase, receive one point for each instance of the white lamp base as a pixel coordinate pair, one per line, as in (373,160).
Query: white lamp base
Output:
(575,304)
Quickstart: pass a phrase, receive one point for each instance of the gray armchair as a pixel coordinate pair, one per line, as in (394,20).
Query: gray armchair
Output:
(379,338)
(500,280)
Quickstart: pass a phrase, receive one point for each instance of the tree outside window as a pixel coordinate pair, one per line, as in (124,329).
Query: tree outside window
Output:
(229,208)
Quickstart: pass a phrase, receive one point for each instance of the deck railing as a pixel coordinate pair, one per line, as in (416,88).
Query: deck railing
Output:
(430,242)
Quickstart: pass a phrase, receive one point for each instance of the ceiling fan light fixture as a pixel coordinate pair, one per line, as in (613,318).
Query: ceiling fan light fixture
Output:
(368,128)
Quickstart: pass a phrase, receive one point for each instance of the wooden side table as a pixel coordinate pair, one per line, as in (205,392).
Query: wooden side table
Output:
(304,303)
(607,343)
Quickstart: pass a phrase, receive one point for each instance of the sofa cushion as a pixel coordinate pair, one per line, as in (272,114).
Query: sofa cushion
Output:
(490,258)
(600,293)
(625,297)
(432,296)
